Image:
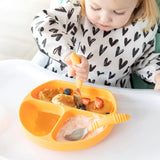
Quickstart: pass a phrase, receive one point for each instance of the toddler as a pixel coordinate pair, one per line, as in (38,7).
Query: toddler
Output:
(113,38)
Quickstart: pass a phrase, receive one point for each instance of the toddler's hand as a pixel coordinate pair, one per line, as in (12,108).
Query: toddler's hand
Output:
(80,70)
(157,82)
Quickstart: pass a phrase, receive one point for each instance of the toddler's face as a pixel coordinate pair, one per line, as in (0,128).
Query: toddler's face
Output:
(109,14)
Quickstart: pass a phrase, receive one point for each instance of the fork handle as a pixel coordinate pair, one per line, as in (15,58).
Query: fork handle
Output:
(109,119)
(76,60)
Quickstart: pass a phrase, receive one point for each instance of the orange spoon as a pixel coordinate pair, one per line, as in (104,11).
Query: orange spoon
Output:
(77,93)
(109,119)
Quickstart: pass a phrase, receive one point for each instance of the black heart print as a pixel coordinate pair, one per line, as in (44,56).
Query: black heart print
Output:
(62,65)
(151,42)
(41,30)
(83,49)
(70,13)
(122,83)
(158,63)
(122,63)
(119,51)
(83,30)
(70,26)
(57,50)
(52,21)
(58,36)
(44,42)
(73,41)
(61,9)
(91,81)
(56,18)
(105,33)
(107,62)
(32,29)
(64,26)
(126,70)
(149,74)
(107,83)
(153,27)
(111,75)
(124,31)
(45,11)
(112,42)
(53,30)
(145,33)
(134,52)
(126,41)
(95,30)
(74,30)
(102,49)
(90,40)
(99,73)
(54,70)
(91,68)
(134,23)
(90,55)
(137,36)
(144,46)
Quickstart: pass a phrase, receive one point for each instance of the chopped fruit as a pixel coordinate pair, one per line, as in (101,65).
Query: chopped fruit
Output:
(83,107)
(86,101)
(98,103)
(67,91)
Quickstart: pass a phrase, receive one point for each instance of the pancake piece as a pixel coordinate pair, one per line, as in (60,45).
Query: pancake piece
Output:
(64,99)
(48,94)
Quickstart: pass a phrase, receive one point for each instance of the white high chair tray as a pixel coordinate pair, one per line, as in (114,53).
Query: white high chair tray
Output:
(137,138)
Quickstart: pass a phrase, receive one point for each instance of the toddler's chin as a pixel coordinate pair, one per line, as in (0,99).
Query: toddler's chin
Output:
(107,29)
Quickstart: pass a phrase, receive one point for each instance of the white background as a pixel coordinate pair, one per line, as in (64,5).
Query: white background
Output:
(16,16)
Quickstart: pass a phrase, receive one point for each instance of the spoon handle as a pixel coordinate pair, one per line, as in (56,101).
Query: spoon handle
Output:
(109,119)
(76,60)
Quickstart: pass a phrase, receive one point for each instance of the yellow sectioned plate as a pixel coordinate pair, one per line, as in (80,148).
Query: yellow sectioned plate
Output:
(41,120)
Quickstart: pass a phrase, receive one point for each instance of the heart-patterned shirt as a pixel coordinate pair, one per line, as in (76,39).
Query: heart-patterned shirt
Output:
(113,56)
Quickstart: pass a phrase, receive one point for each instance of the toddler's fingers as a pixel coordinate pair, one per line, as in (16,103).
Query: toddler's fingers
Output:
(71,71)
(67,60)
(82,77)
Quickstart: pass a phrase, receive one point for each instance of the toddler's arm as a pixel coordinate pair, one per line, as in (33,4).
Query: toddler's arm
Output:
(157,82)
(53,30)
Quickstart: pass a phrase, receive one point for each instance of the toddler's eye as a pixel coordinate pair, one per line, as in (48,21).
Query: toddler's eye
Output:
(95,8)
(119,13)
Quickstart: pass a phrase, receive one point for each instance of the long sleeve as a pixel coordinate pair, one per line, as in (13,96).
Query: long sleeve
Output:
(148,65)
(53,30)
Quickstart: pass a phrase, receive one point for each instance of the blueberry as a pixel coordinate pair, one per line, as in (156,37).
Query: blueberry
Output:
(83,107)
(67,91)
(107,113)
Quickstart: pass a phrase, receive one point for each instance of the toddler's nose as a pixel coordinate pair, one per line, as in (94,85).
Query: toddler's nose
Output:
(106,18)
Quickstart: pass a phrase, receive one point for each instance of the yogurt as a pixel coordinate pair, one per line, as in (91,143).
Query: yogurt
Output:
(76,122)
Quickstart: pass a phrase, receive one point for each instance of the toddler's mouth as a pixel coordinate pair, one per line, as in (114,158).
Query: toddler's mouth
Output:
(104,26)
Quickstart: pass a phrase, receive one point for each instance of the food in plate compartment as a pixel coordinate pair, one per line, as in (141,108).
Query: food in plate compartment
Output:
(75,122)
(63,99)
(48,93)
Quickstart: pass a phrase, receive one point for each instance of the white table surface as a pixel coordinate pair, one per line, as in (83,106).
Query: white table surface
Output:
(136,139)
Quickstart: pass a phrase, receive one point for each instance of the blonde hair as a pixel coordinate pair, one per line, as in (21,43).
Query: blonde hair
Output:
(146,9)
